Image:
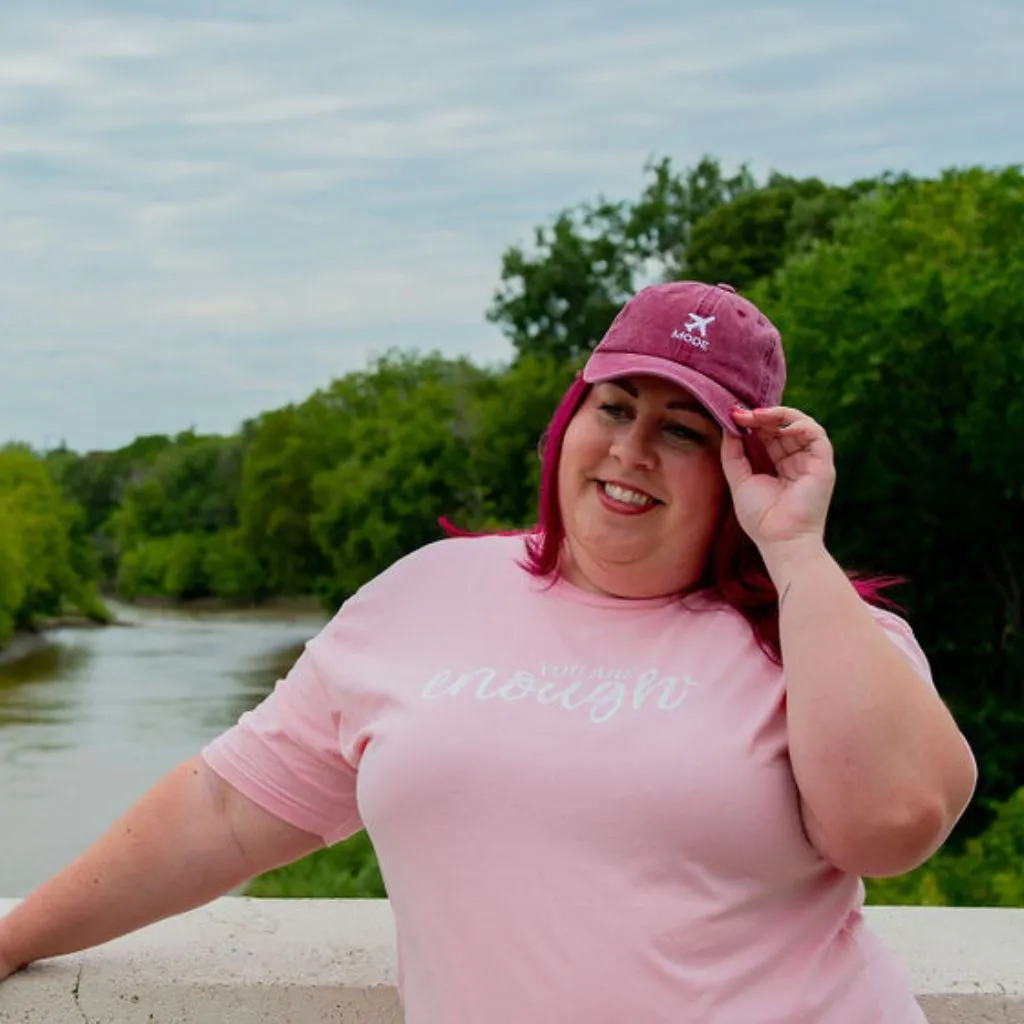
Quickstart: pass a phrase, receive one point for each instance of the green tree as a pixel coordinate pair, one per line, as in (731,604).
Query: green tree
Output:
(38,577)
(407,464)
(188,492)
(509,419)
(558,298)
(232,571)
(663,219)
(286,450)
(97,482)
(754,234)
(13,571)
(192,485)
(903,337)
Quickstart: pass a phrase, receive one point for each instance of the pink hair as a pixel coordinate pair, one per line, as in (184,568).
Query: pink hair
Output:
(734,570)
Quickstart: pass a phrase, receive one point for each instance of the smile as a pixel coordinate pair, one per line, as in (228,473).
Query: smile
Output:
(621,499)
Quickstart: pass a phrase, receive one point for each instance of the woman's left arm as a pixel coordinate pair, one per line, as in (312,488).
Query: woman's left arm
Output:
(882,768)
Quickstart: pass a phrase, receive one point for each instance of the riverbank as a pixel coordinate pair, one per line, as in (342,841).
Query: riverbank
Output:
(27,642)
(286,605)
(21,645)
(215,608)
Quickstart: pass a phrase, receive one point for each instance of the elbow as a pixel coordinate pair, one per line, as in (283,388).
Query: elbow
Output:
(904,833)
(893,844)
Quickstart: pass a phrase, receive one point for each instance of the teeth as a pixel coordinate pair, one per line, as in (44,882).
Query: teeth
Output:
(624,494)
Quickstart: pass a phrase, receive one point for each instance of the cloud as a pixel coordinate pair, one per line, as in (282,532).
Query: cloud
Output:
(311,183)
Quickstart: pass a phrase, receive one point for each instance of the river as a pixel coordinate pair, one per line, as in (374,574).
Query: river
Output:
(92,719)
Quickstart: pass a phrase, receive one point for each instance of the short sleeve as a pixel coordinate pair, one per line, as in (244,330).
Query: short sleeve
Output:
(900,633)
(285,756)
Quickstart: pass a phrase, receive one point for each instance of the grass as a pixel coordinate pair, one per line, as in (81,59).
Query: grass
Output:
(346,871)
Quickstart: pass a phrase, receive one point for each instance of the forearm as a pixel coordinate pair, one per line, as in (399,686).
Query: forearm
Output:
(172,851)
(880,763)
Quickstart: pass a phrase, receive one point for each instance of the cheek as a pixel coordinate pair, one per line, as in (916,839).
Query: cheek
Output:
(703,490)
(575,457)
(566,478)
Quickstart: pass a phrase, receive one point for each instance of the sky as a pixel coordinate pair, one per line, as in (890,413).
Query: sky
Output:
(212,208)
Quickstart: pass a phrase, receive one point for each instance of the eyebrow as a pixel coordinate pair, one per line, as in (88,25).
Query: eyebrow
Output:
(689,405)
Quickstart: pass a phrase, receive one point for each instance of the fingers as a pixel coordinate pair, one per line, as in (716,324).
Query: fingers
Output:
(735,464)
(775,418)
(781,423)
(789,436)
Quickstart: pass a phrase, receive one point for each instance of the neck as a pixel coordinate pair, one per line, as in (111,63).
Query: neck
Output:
(624,581)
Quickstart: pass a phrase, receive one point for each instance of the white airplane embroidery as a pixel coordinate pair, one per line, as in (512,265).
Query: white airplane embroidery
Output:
(700,324)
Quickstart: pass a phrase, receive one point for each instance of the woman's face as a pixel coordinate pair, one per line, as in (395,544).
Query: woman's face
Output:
(640,487)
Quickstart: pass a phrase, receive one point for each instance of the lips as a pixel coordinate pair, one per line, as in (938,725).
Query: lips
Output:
(625,499)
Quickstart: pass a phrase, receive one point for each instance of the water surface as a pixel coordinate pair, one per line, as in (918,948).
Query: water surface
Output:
(93,719)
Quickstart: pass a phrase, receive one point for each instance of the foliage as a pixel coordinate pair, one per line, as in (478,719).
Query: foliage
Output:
(230,570)
(508,422)
(39,576)
(903,338)
(747,239)
(96,482)
(347,870)
(989,872)
(192,486)
(13,571)
(558,298)
(407,464)
(286,450)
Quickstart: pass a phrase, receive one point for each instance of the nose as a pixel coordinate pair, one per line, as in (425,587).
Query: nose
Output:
(632,448)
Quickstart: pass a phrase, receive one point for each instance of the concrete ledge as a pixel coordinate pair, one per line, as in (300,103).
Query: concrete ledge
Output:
(241,961)
(236,961)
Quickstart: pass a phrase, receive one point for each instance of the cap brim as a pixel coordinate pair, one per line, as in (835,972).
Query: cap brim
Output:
(603,366)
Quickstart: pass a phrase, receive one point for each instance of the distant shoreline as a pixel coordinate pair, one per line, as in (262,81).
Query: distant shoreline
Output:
(305,603)
(26,642)
(21,645)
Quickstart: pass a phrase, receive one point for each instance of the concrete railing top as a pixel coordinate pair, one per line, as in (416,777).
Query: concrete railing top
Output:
(241,961)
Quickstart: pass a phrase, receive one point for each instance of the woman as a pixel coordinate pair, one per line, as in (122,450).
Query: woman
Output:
(630,766)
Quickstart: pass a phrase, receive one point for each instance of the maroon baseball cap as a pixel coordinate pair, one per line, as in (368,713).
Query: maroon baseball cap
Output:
(706,338)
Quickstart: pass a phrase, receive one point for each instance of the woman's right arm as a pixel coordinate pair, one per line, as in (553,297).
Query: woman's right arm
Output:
(190,839)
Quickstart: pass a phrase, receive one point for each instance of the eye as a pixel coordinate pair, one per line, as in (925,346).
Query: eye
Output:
(613,411)
(681,432)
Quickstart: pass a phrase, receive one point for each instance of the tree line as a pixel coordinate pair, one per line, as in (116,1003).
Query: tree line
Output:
(47,562)
(901,302)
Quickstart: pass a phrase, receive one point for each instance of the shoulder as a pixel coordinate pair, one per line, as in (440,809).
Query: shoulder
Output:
(729,627)
(441,571)
(456,555)
(898,630)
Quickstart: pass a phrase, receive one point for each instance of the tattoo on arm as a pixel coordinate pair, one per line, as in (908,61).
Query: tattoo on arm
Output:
(785,594)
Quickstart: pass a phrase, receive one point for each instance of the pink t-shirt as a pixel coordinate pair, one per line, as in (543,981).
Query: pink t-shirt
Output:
(583,807)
